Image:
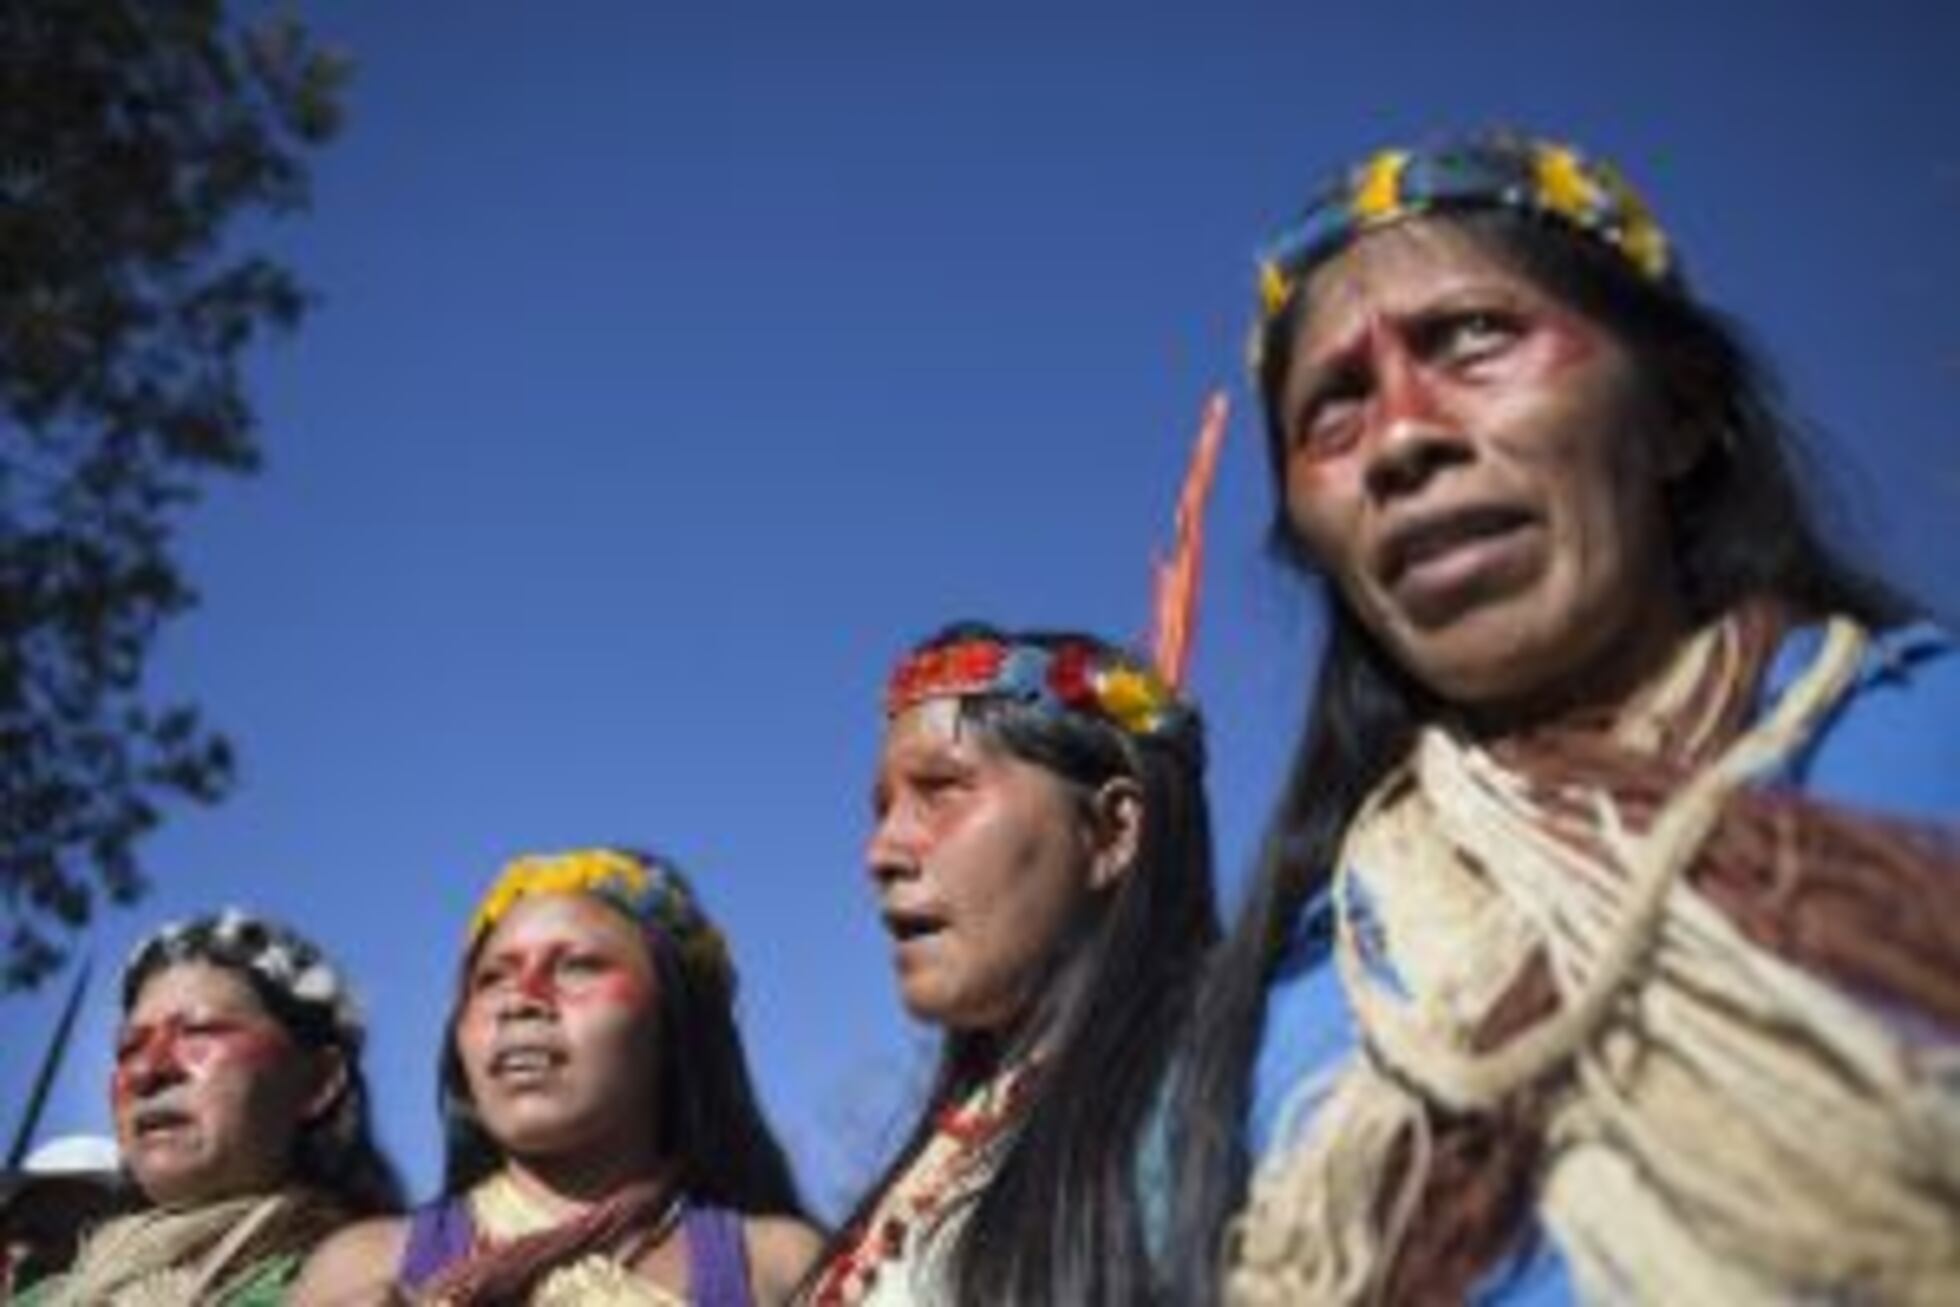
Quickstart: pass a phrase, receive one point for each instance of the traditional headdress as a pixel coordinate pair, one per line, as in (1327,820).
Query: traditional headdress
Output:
(1495,170)
(285,963)
(650,890)
(1141,698)
(1072,676)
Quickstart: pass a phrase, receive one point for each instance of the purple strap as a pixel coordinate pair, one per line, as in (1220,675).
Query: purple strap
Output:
(438,1233)
(717,1258)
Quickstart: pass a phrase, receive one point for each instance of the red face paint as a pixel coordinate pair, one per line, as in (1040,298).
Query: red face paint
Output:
(1569,341)
(193,1046)
(618,987)
(561,974)
(571,975)
(537,975)
(1406,389)
(1536,417)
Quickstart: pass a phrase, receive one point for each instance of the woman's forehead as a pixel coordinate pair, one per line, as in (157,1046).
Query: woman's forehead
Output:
(193,983)
(540,918)
(928,725)
(1403,266)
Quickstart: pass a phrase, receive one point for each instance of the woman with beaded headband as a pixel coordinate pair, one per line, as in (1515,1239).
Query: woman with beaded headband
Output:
(604,1142)
(241,1116)
(1605,945)
(1041,856)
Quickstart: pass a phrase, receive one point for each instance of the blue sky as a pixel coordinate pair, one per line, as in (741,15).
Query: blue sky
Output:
(673,369)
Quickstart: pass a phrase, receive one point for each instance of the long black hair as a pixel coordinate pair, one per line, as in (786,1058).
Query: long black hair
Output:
(1060,1221)
(1739,526)
(335,1152)
(709,1123)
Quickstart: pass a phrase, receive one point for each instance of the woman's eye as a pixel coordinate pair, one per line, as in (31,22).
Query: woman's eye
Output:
(488,979)
(938,790)
(1325,422)
(934,782)
(1475,334)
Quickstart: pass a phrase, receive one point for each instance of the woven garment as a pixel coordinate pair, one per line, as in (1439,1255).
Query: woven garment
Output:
(442,1235)
(1726,1018)
(592,1261)
(902,1251)
(239,1253)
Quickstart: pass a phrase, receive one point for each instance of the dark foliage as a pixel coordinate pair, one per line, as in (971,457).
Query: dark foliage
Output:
(137,137)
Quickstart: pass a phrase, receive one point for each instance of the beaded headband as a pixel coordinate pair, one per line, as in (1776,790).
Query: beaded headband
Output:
(1495,170)
(275,954)
(650,890)
(1073,676)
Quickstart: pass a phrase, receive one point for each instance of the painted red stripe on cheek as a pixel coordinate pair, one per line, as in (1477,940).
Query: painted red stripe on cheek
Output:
(619,989)
(252,1048)
(122,1087)
(537,981)
(144,1051)
(1405,393)
(1569,342)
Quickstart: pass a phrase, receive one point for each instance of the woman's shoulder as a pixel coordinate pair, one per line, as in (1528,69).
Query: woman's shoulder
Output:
(1306,1032)
(781,1250)
(354,1266)
(1893,742)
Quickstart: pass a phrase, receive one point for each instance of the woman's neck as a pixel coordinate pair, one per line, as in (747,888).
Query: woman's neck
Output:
(1599,692)
(568,1185)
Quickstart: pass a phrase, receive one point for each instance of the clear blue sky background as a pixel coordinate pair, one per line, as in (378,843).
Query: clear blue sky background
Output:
(674,368)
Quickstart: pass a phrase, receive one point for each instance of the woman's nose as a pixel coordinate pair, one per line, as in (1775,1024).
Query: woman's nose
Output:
(1415,434)
(150,1066)
(892,851)
(533,991)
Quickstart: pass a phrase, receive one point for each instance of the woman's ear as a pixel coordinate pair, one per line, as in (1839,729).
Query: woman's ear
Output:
(1115,830)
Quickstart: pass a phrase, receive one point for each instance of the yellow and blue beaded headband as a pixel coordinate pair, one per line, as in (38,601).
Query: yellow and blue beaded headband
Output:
(650,890)
(1498,170)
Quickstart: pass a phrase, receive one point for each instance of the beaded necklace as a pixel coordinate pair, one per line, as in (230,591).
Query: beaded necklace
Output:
(922,1203)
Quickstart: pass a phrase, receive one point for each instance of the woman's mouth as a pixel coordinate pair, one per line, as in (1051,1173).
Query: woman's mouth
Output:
(151,1124)
(523,1064)
(911,929)
(1441,564)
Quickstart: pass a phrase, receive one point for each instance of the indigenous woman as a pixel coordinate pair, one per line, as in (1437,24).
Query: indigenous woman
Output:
(604,1143)
(1041,857)
(241,1115)
(1606,946)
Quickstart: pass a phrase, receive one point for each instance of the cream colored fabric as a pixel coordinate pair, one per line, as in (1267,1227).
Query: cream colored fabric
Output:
(1737,1131)
(501,1212)
(179,1257)
(926,1208)
(920,1272)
